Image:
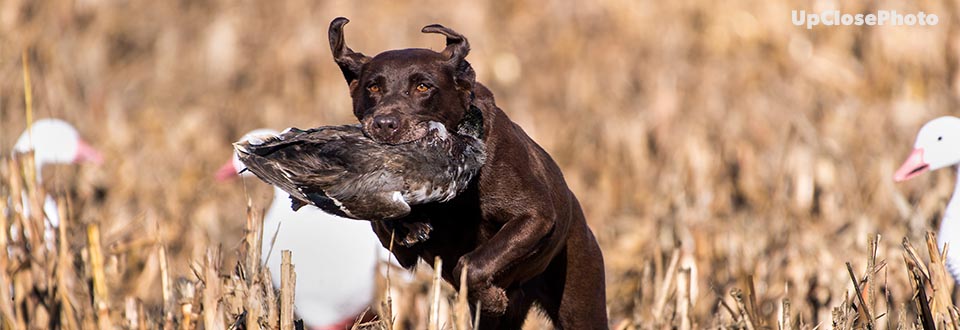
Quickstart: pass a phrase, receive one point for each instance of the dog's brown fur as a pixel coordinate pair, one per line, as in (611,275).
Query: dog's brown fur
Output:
(518,229)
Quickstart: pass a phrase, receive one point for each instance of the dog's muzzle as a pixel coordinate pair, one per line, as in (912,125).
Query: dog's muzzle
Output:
(393,129)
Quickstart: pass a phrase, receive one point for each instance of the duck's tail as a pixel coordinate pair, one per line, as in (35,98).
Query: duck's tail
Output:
(254,157)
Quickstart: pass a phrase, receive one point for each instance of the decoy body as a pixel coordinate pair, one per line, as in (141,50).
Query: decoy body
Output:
(53,141)
(938,146)
(336,258)
(343,172)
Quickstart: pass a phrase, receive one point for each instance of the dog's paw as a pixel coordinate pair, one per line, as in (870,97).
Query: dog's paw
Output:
(493,300)
(417,232)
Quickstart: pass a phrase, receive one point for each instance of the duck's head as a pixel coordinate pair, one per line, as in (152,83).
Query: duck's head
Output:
(54,141)
(233,167)
(937,146)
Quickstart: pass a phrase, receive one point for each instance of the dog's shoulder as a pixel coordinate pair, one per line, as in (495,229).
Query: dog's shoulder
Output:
(517,170)
(505,139)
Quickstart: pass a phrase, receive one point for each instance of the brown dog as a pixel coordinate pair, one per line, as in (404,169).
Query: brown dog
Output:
(518,229)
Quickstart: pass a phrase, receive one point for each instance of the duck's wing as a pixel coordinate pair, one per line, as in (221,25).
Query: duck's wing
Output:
(334,168)
(305,163)
(343,172)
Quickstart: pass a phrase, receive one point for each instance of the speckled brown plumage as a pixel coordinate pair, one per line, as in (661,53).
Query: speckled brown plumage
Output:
(343,172)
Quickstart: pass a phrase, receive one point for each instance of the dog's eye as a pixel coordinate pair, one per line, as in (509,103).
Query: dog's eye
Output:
(422,88)
(373,88)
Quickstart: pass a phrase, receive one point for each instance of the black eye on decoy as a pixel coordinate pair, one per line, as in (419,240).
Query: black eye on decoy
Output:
(939,138)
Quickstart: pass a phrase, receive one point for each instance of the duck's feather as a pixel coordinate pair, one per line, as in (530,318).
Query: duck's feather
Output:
(340,170)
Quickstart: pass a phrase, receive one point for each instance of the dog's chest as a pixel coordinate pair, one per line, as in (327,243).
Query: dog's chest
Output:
(458,225)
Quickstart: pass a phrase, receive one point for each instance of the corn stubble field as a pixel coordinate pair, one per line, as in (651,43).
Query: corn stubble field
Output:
(737,170)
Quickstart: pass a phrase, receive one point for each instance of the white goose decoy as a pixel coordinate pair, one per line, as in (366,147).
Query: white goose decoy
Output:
(938,146)
(53,141)
(335,257)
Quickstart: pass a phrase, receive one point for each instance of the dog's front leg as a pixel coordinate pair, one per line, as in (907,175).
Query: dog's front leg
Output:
(387,232)
(521,239)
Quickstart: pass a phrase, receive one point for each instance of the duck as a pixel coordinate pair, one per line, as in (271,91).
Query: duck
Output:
(938,146)
(336,258)
(343,172)
(52,141)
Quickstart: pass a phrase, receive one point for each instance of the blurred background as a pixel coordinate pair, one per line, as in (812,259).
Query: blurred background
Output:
(716,131)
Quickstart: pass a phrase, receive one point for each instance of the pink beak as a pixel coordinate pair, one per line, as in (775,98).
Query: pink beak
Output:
(86,153)
(226,172)
(913,166)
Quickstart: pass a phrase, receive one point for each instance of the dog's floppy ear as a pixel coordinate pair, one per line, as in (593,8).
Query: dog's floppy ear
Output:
(456,50)
(349,61)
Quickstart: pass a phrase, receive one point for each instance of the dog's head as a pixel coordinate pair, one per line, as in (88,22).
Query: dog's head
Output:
(398,92)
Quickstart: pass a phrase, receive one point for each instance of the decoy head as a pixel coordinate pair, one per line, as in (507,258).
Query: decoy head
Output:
(233,167)
(54,141)
(937,146)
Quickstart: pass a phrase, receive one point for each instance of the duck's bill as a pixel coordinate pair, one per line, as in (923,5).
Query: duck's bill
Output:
(912,167)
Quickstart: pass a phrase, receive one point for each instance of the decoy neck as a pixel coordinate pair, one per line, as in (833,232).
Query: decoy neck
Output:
(953,207)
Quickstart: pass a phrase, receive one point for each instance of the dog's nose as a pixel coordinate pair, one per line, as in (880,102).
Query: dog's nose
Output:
(386,124)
